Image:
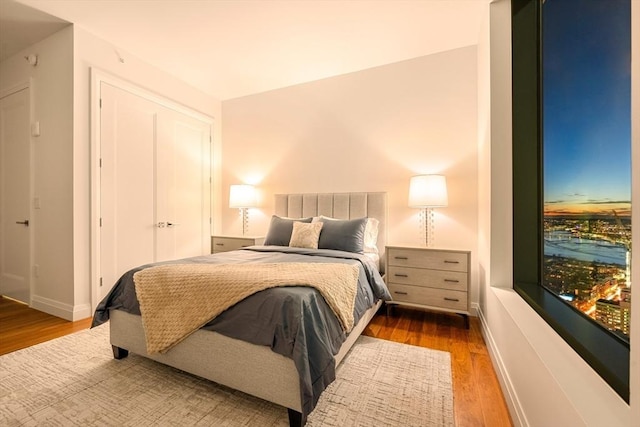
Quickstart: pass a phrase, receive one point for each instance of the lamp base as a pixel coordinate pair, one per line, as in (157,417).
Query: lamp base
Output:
(429,226)
(244,213)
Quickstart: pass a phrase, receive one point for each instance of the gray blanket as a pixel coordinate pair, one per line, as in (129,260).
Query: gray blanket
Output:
(295,322)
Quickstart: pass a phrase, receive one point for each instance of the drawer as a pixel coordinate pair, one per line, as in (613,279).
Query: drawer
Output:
(433,259)
(223,244)
(438,298)
(427,278)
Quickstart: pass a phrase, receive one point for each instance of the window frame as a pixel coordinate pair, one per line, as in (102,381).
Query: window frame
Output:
(605,352)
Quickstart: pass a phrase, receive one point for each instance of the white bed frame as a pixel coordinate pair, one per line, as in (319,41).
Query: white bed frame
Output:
(250,368)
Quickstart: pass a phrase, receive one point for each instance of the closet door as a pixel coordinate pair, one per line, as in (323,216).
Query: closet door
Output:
(127,183)
(182,186)
(154,184)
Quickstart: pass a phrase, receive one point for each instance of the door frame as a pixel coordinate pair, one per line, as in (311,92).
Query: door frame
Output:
(98,77)
(29,85)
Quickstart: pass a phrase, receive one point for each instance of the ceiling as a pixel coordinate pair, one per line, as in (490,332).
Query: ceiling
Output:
(232,48)
(22,26)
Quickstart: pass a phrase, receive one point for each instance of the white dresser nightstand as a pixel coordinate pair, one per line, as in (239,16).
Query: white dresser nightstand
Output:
(436,279)
(231,243)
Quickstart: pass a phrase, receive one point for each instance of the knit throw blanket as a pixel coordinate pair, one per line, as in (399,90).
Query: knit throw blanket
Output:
(178,299)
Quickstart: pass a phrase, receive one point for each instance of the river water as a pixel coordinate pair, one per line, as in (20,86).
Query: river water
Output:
(564,244)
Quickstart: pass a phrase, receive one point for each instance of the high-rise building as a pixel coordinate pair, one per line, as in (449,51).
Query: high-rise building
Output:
(615,315)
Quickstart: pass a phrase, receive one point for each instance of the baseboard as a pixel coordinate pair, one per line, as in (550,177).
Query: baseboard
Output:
(59,309)
(515,408)
(82,311)
(474,309)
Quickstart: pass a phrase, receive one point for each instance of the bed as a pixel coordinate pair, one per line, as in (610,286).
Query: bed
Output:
(288,365)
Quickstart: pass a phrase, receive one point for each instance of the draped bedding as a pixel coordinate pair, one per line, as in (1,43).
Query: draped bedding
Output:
(293,318)
(176,300)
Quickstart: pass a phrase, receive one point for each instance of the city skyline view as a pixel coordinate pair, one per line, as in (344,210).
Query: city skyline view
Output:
(587,157)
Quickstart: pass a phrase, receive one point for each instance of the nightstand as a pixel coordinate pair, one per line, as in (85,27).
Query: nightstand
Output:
(231,243)
(436,279)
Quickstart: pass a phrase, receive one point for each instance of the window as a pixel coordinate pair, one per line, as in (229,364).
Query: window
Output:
(572,173)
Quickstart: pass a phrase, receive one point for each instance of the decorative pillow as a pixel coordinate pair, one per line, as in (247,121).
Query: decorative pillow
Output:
(305,235)
(342,235)
(370,244)
(280,229)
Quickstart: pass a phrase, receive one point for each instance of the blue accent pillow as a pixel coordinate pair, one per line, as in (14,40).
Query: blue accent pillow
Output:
(342,234)
(280,230)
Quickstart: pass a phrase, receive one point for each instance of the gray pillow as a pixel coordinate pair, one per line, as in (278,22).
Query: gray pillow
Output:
(343,234)
(280,230)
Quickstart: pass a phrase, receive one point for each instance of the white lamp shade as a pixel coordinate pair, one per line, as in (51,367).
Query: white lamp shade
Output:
(428,191)
(242,196)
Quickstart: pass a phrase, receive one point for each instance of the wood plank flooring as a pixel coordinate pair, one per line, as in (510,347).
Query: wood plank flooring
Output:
(478,399)
(21,326)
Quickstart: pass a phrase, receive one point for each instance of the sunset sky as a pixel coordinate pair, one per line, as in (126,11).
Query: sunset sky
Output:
(587,106)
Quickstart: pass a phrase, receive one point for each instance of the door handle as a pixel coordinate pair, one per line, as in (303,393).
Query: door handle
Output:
(25,222)
(166,224)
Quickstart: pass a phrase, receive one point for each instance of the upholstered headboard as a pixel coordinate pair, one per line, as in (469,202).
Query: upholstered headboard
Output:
(338,205)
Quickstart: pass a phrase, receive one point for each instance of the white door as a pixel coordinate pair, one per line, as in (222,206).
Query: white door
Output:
(154,184)
(182,186)
(15,184)
(127,140)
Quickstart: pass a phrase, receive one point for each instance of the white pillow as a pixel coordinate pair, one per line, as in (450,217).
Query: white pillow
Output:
(371,236)
(370,244)
(305,235)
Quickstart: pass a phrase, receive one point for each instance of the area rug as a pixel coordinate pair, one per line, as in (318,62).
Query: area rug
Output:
(74,380)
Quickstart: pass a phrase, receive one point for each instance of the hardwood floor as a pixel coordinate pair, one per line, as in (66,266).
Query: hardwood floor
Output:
(21,326)
(477,396)
(478,399)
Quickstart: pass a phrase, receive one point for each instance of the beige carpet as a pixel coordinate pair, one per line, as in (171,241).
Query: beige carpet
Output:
(75,381)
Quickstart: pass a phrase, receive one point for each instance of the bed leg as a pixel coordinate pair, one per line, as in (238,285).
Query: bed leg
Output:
(119,353)
(295,418)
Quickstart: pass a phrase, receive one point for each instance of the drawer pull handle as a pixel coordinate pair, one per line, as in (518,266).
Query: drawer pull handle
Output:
(451,280)
(401,257)
(401,275)
(400,293)
(451,299)
(219,244)
(446,261)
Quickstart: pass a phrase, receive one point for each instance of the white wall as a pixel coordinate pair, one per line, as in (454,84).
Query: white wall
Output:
(52,174)
(365,131)
(546,383)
